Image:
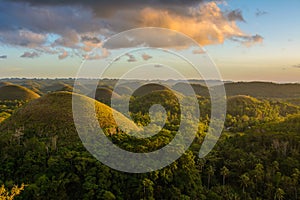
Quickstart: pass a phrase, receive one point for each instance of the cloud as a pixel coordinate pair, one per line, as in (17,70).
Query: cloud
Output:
(63,55)
(235,15)
(106,8)
(146,56)
(90,42)
(29,55)
(69,38)
(93,40)
(248,40)
(208,24)
(260,13)
(23,38)
(3,57)
(99,53)
(150,37)
(47,19)
(40,24)
(296,66)
(78,26)
(199,51)
(131,58)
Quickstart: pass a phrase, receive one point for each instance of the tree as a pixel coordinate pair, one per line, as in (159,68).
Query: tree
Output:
(258,173)
(10,195)
(275,166)
(148,188)
(279,194)
(295,181)
(245,181)
(108,195)
(210,172)
(224,173)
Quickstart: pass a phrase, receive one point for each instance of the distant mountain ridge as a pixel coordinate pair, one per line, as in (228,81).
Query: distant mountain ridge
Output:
(255,89)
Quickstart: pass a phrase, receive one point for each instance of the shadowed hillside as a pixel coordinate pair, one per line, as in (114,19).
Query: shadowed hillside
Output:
(59,86)
(198,89)
(263,89)
(32,85)
(104,95)
(148,89)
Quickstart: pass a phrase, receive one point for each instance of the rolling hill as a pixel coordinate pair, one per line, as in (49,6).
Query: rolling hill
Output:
(5,83)
(52,113)
(148,89)
(104,95)
(123,90)
(166,98)
(245,105)
(55,87)
(17,92)
(198,89)
(263,89)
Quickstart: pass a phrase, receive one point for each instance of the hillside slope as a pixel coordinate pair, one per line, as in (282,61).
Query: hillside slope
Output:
(17,92)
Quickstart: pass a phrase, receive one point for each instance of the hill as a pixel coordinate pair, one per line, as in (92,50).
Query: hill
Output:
(166,98)
(198,89)
(263,89)
(149,88)
(140,106)
(17,92)
(32,85)
(123,90)
(55,87)
(104,95)
(245,105)
(290,124)
(5,83)
(52,113)
(255,89)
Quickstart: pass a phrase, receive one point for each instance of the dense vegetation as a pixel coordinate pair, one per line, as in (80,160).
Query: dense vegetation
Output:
(257,156)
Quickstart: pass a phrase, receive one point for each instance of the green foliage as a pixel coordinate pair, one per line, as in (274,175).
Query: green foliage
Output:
(257,156)
(7,107)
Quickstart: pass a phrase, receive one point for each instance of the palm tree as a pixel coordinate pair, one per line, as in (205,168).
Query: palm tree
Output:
(148,188)
(245,181)
(279,194)
(201,164)
(275,166)
(210,172)
(258,173)
(224,173)
(295,181)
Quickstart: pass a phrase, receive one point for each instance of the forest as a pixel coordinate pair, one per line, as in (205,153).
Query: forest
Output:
(42,157)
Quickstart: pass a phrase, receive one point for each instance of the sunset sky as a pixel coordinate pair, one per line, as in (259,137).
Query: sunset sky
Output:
(248,40)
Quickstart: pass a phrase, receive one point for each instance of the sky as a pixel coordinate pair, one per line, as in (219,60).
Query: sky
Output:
(255,40)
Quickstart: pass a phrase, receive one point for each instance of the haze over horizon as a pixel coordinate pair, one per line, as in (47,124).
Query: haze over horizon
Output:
(248,40)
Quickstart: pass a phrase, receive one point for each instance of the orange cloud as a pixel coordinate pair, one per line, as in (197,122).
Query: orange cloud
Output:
(206,24)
